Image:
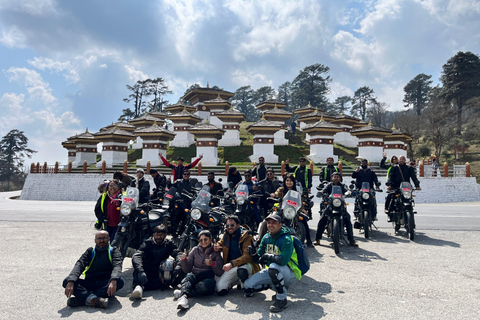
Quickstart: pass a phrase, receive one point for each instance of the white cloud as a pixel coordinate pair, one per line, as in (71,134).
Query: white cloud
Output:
(36,87)
(43,63)
(254,78)
(134,74)
(103,66)
(338,90)
(12,37)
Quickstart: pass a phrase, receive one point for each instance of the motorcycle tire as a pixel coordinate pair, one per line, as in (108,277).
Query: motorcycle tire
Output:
(300,231)
(336,235)
(366,223)
(410,225)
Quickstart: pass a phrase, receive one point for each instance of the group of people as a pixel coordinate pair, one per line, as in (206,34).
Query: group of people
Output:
(212,266)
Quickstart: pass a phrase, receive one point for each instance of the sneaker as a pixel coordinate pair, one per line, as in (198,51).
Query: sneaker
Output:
(99,303)
(137,292)
(73,302)
(182,303)
(309,244)
(177,293)
(278,305)
(353,243)
(248,293)
(317,242)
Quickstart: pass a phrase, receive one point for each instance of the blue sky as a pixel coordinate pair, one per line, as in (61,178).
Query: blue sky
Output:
(65,64)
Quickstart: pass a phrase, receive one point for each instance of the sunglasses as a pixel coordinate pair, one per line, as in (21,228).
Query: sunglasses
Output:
(186,174)
(231,225)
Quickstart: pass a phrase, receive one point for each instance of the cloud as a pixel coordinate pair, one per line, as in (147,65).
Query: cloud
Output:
(12,37)
(43,63)
(36,87)
(254,78)
(135,75)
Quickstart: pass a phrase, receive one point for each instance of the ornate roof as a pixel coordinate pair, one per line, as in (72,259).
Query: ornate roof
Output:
(307,109)
(114,134)
(207,130)
(397,134)
(121,125)
(264,127)
(85,137)
(230,115)
(155,131)
(322,126)
(179,107)
(271,104)
(315,116)
(186,117)
(143,121)
(158,114)
(345,119)
(370,130)
(204,94)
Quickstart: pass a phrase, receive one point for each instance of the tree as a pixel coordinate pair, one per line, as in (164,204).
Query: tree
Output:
(139,91)
(377,113)
(438,118)
(416,92)
(461,81)
(243,101)
(341,104)
(263,94)
(284,94)
(311,86)
(158,89)
(361,99)
(13,148)
(127,114)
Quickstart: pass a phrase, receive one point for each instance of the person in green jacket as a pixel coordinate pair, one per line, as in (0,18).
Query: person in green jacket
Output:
(277,253)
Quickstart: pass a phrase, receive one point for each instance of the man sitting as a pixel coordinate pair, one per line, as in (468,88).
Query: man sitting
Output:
(101,267)
(237,263)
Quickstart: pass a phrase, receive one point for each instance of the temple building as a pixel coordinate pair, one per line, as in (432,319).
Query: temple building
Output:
(207,136)
(344,137)
(395,144)
(278,115)
(155,140)
(370,142)
(215,106)
(115,146)
(86,148)
(231,120)
(304,111)
(198,96)
(321,140)
(142,122)
(182,122)
(69,144)
(263,133)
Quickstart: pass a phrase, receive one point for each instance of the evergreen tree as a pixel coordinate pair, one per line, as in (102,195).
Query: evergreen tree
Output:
(416,92)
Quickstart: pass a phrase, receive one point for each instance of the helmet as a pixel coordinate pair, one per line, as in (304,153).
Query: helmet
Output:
(165,270)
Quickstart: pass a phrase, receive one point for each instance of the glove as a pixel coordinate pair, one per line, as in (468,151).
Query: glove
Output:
(267,257)
(98,225)
(251,250)
(142,278)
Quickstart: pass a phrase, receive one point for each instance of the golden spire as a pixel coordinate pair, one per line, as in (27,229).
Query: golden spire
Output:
(231,107)
(271,97)
(308,104)
(206,120)
(321,119)
(86,130)
(393,127)
(341,113)
(370,123)
(316,110)
(218,97)
(155,123)
(208,86)
(275,105)
(263,117)
(185,108)
(112,123)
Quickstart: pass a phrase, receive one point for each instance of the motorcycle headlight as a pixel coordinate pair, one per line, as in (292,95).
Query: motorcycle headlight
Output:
(365,196)
(125,209)
(166,202)
(196,214)
(337,202)
(241,200)
(289,213)
(407,195)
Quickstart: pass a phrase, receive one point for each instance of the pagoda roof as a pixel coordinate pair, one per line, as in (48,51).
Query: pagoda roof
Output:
(230,114)
(185,116)
(114,134)
(307,109)
(206,129)
(400,135)
(315,116)
(85,137)
(265,127)
(370,130)
(121,125)
(158,114)
(68,144)
(322,124)
(179,107)
(203,94)
(271,104)
(143,120)
(154,131)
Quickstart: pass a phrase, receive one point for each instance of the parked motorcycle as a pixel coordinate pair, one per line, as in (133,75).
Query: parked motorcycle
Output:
(402,209)
(162,214)
(364,207)
(336,207)
(133,228)
(244,210)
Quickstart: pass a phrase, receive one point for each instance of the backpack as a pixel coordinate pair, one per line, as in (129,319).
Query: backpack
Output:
(303,262)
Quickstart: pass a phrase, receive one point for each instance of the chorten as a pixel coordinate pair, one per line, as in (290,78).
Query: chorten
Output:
(304,111)
(313,117)
(69,144)
(280,116)
(198,96)
(396,143)
(271,104)
(215,106)
(143,121)
(120,125)
(321,140)
(182,122)
(179,107)
(263,133)
(115,146)
(370,141)
(86,148)
(155,140)
(207,136)
(231,120)
(344,137)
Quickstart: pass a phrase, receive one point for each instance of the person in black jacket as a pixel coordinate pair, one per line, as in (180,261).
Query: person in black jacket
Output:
(260,170)
(234,177)
(365,174)
(302,173)
(146,263)
(101,267)
(216,188)
(143,186)
(268,186)
(326,172)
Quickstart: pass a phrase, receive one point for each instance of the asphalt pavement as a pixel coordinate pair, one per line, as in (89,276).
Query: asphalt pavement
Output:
(437,276)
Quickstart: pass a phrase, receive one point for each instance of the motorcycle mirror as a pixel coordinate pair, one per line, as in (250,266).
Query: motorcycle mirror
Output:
(352,186)
(220,180)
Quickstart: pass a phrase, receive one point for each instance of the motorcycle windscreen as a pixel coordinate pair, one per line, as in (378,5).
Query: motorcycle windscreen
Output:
(171,193)
(293,199)
(365,186)
(406,186)
(203,199)
(131,197)
(336,192)
(242,191)
(299,187)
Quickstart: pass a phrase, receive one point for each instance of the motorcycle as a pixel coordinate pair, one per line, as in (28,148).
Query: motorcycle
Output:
(336,207)
(364,207)
(402,209)
(201,217)
(133,228)
(244,210)
(162,214)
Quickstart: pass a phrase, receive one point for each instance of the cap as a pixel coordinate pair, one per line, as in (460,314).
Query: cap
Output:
(140,170)
(180,158)
(275,216)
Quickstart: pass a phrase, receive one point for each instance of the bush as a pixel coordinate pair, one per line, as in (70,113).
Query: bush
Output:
(423,151)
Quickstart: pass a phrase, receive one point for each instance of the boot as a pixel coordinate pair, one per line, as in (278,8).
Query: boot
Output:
(183,303)
(278,305)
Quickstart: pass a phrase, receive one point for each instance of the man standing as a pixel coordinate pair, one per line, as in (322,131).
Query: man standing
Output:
(268,186)
(147,260)
(216,188)
(277,252)
(326,172)
(260,170)
(252,187)
(237,263)
(178,169)
(143,186)
(302,173)
(365,174)
(101,267)
(159,180)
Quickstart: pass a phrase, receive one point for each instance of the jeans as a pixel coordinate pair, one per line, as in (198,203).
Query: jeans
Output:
(83,288)
(323,223)
(229,278)
(262,280)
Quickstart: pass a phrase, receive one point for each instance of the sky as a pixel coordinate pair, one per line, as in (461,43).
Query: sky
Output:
(65,64)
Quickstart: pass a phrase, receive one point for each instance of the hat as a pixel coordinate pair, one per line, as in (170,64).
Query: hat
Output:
(180,158)
(140,170)
(275,216)
(152,171)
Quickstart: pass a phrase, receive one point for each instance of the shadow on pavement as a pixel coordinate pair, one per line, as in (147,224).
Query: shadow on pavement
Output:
(113,306)
(422,238)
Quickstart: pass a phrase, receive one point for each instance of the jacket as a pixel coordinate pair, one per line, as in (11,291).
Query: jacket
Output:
(260,171)
(302,175)
(326,173)
(160,181)
(269,244)
(246,240)
(366,175)
(268,186)
(150,254)
(395,177)
(328,188)
(195,261)
(143,188)
(101,267)
(177,169)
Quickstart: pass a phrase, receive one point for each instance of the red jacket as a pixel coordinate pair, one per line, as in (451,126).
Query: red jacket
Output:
(177,169)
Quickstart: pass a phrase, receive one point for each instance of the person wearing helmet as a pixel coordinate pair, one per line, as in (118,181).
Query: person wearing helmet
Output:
(142,185)
(152,268)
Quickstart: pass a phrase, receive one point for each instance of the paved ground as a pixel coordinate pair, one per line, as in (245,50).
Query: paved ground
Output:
(387,277)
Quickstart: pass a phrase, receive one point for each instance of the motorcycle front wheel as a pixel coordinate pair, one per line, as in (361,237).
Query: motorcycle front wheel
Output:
(366,223)
(300,231)
(336,235)
(410,225)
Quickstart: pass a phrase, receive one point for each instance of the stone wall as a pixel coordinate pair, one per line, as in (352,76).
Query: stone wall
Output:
(83,187)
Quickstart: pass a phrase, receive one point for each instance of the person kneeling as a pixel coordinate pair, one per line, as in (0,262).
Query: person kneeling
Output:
(277,252)
(237,263)
(201,265)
